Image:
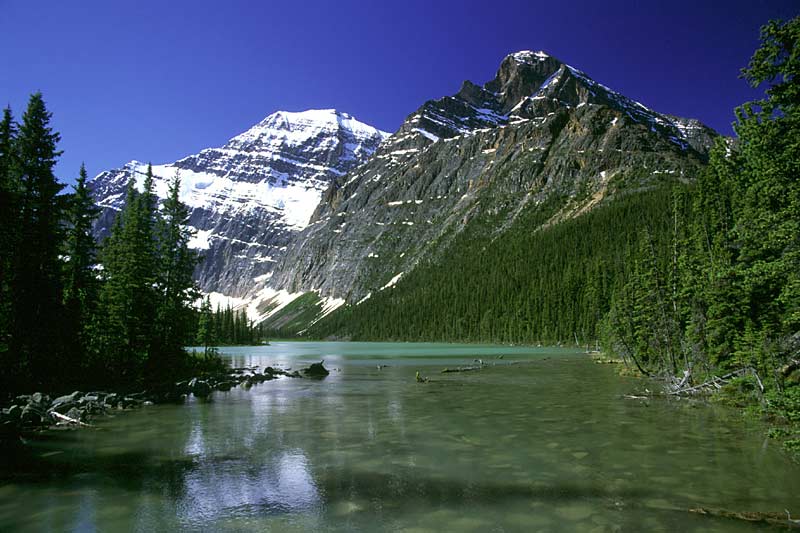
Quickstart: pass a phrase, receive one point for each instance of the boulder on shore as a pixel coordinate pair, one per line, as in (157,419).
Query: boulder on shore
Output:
(67,399)
(199,388)
(30,416)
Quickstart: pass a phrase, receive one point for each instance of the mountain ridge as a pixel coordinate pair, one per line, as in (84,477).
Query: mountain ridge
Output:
(538,129)
(249,197)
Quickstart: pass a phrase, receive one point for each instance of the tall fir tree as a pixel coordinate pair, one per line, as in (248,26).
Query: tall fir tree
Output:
(9,219)
(37,298)
(123,333)
(754,309)
(80,277)
(206,336)
(768,225)
(738,301)
(176,286)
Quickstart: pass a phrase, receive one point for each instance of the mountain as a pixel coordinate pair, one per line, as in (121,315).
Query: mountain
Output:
(251,197)
(540,137)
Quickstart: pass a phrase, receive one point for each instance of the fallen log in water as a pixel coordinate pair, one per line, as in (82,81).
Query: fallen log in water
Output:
(713,384)
(461,369)
(773,519)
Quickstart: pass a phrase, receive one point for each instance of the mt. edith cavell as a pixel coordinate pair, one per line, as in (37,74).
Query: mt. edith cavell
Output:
(310,215)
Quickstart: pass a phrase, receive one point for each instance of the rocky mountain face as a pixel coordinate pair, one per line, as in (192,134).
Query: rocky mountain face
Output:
(251,197)
(540,132)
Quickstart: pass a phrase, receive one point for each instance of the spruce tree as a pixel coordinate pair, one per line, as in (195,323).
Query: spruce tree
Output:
(205,328)
(80,278)
(741,267)
(125,327)
(176,286)
(767,196)
(9,226)
(37,298)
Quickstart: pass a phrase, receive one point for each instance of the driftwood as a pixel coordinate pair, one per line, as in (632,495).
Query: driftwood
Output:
(71,420)
(461,369)
(773,519)
(713,384)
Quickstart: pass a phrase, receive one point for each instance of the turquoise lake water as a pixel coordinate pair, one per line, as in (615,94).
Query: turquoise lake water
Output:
(541,439)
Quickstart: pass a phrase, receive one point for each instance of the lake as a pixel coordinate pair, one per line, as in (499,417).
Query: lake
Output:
(542,439)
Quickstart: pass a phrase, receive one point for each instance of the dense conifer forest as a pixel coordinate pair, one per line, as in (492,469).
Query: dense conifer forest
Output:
(72,313)
(225,327)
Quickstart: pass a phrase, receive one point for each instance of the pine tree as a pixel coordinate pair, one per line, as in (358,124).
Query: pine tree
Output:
(125,329)
(768,194)
(176,286)
(205,328)
(80,279)
(9,224)
(37,297)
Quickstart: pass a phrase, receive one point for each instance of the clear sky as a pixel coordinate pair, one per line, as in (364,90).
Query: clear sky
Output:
(159,80)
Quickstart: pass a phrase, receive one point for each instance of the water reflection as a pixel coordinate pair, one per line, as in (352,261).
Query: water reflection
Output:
(548,444)
(232,488)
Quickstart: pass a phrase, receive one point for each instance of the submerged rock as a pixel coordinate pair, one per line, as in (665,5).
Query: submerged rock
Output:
(316,370)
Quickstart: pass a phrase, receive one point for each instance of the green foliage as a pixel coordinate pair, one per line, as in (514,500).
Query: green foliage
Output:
(80,279)
(125,325)
(736,289)
(9,219)
(36,333)
(175,287)
(738,302)
(206,333)
(782,407)
(229,327)
(294,317)
(777,61)
(532,283)
(145,307)
(784,404)
(741,392)
(65,320)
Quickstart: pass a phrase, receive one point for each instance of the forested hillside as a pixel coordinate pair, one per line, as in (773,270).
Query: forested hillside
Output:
(530,284)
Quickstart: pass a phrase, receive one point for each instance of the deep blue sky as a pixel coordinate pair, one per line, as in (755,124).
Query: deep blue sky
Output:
(158,80)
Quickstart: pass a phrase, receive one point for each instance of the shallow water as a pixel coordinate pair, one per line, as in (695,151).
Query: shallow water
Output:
(546,444)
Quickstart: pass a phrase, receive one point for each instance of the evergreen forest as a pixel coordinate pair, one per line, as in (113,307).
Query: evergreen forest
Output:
(225,327)
(73,313)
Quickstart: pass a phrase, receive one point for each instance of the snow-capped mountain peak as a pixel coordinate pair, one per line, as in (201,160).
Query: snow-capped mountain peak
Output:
(528,56)
(249,197)
(297,128)
(530,85)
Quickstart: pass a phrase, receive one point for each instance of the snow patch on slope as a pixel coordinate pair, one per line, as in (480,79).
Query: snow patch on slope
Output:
(392,282)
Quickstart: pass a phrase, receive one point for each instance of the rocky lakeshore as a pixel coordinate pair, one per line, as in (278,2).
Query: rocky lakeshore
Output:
(38,411)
